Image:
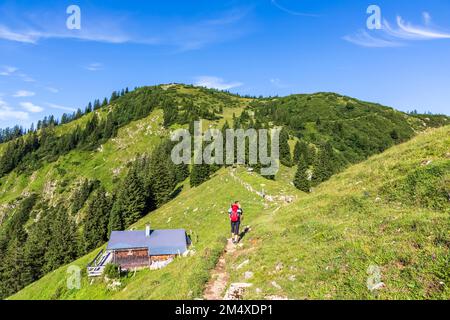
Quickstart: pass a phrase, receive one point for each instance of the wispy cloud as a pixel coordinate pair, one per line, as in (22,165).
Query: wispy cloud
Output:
(218,29)
(7,70)
(216,83)
(33,36)
(30,107)
(278,83)
(52,89)
(7,113)
(426,18)
(25,37)
(96,66)
(398,35)
(364,39)
(292,12)
(59,107)
(186,35)
(23,93)
(408,31)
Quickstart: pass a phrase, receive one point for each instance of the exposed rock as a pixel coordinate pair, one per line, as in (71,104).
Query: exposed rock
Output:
(242,264)
(275,285)
(279,267)
(292,277)
(236,291)
(377,286)
(248,275)
(275,297)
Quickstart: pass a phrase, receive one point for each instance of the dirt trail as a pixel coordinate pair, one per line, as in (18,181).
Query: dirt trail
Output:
(215,288)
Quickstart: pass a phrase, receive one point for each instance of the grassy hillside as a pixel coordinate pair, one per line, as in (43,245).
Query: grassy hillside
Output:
(390,211)
(52,179)
(202,212)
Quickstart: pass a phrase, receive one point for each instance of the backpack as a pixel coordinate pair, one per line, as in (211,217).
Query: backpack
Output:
(234,216)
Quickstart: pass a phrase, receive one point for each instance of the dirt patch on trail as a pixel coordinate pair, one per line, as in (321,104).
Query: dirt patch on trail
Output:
(218,282)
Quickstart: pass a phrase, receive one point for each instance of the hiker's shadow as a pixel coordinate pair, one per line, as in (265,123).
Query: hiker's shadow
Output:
(243,233)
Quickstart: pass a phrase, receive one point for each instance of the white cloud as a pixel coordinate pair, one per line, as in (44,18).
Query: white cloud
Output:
(59,107)
(96,66)
(30,107)
(390,36)
(216,83)
(7,113)
(23,93)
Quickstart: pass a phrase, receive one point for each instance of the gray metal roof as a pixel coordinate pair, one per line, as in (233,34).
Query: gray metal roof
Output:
(160,242)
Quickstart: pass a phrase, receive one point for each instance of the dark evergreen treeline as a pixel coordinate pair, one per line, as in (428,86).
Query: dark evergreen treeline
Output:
(8,134)
(28,152)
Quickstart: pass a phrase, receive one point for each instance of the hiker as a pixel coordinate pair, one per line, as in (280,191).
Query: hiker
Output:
(235,212)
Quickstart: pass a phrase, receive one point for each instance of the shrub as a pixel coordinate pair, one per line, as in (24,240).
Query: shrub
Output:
(112,271)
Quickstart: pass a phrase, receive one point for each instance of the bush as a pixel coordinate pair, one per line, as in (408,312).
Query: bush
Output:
(112,271)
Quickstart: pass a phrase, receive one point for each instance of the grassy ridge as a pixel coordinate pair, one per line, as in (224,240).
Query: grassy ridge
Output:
(327,241)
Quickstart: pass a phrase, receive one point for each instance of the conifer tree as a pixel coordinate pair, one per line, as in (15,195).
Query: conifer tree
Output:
(12,269)
(115,218)
(303,149)
(285,153)
(96,221)
(63,247)
(132,201)
(39,238)
(301,181)
(162,174)
(199,174)
(325,165)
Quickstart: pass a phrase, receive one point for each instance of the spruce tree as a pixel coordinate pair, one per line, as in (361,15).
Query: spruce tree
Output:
(199,174)
(325,165)
(63,247)
(285,153)
(12,269)
(301,181)
(95,231)
(115,218)
(132,201)
(302,149)
(162,174)
(36,246)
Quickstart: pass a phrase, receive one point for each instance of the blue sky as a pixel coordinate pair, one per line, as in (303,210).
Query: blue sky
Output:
(257,47)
